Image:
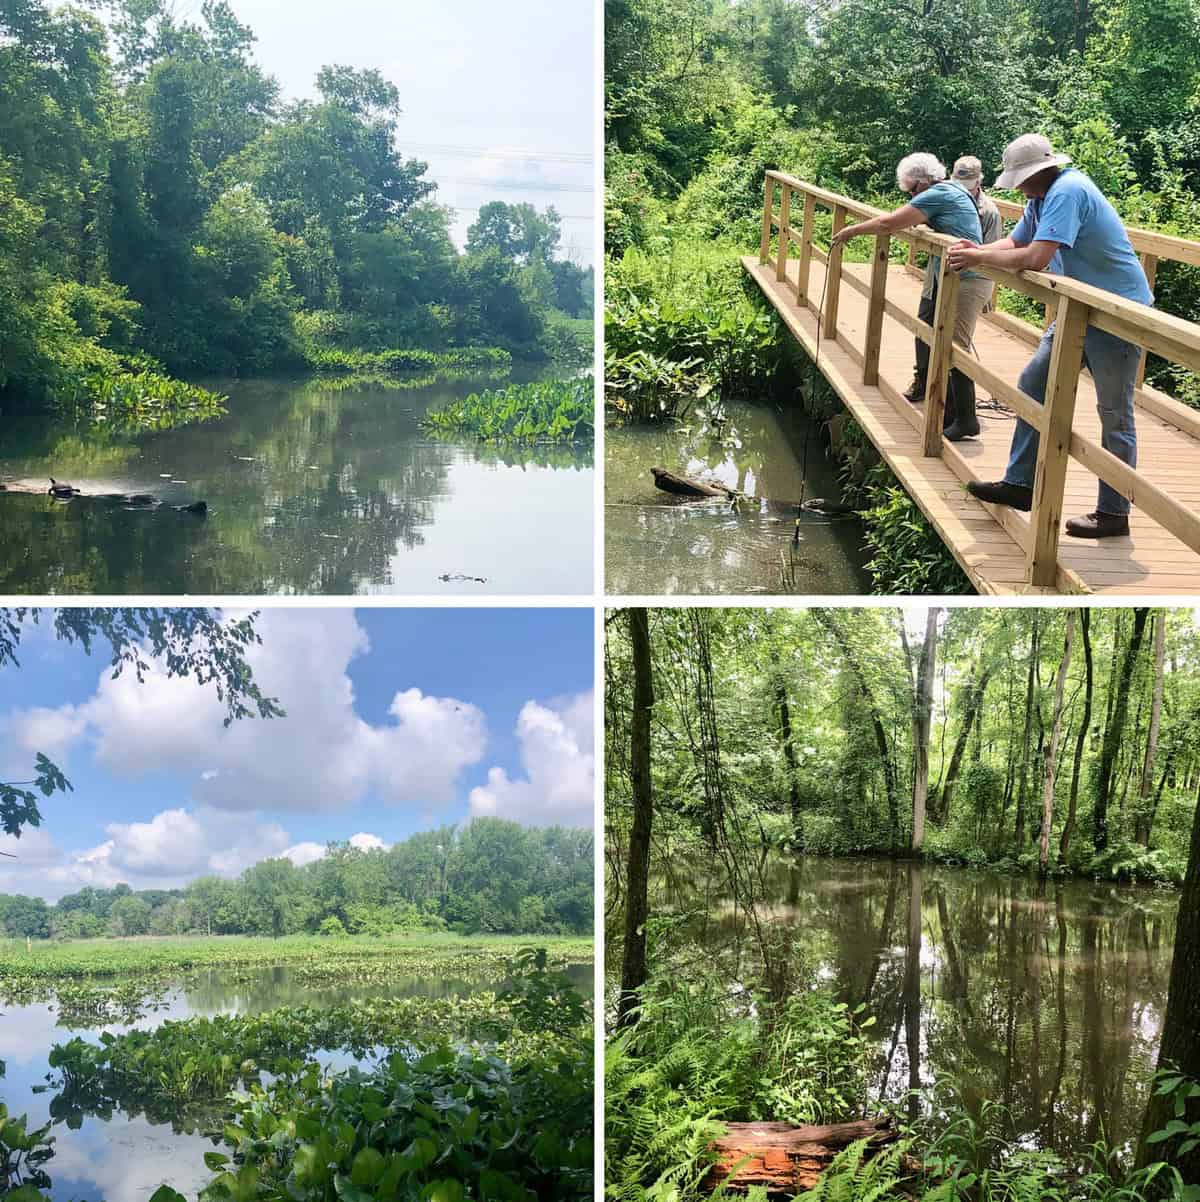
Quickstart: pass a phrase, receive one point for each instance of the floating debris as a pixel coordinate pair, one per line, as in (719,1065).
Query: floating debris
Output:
(447,577)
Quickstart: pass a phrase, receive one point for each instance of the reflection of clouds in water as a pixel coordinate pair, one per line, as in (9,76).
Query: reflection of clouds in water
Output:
(25,1034)
(126,1160)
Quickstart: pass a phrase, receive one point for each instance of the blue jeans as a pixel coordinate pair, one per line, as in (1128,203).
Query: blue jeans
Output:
(1113,363)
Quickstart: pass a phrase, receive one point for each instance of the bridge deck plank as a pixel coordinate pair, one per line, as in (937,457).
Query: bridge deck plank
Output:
(986,540)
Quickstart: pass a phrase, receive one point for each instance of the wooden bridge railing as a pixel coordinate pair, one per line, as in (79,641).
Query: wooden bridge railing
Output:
(1077,307)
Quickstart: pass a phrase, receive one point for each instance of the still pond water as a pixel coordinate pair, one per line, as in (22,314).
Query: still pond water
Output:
(310,490)
(656,543)
(1049,1002)
(120,1157)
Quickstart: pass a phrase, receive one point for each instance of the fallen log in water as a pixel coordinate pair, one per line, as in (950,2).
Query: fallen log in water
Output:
(66,493)
(786,1159)
(685,486)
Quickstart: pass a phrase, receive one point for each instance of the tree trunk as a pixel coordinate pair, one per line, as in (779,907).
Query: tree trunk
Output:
(789,756)
(1142,819)
(921,722)
(974,702)
(1180,1048)
(1064,845)
(633,965)
(1025,749)
(1112,733)
(1050,760)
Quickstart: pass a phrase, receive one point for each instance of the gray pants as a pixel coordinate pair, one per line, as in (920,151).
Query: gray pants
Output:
(973,296)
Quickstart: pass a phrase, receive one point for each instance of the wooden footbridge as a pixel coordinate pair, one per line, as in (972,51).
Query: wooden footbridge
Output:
(867,324)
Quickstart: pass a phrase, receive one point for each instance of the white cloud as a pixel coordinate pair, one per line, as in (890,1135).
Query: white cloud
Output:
(170,849)
(366,842)
(559,763)
(321,757)
(303,853)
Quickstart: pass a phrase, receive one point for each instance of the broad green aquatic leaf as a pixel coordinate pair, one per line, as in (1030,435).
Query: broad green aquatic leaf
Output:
(367,1167)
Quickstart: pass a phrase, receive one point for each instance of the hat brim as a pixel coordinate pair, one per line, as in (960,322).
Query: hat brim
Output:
(1015,177)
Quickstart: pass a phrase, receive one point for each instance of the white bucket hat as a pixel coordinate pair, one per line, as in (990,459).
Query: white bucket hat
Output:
(1026,156)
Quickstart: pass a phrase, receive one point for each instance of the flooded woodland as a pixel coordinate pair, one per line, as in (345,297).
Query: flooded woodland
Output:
(902,902)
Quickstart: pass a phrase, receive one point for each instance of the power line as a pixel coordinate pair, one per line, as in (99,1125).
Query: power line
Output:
(483,152)
(562,216)
(518,186)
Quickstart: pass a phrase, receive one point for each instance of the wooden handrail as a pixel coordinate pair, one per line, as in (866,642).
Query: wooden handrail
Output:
(1077,306)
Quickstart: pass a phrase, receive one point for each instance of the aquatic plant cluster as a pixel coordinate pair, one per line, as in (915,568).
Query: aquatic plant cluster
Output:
(334,361)
(555,411)
(486,1096)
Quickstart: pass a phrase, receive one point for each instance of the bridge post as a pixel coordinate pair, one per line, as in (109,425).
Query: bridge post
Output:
(1150,267)
(764,248)
(874,336)
(940,351)
(833,275)
(785,216)
(806,244)
(1062,384)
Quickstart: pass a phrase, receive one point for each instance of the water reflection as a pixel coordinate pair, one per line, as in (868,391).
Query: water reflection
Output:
(1048,999)
(104,1150)
(656,544)
(309,491)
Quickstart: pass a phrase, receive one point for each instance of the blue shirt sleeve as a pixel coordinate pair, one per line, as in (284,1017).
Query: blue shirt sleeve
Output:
(1063,212)
(1022,232)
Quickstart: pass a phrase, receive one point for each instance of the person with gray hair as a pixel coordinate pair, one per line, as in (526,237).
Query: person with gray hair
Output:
(947,209)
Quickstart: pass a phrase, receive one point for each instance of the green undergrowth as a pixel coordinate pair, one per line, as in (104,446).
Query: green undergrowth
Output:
(553,411)
(704,1051)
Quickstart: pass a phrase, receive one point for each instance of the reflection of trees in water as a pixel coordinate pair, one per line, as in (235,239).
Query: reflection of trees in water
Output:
(311,491)
(1050,1002)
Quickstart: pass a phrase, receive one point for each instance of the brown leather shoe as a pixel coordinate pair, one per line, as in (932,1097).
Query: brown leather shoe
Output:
(1098,525)
(999,492)
(916,390)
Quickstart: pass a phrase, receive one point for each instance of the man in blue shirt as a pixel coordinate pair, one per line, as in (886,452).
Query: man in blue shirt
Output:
(947,208)
(1068,216)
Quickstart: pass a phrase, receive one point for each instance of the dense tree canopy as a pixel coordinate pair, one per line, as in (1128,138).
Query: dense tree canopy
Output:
(488,876)
(159,198)
(811,722)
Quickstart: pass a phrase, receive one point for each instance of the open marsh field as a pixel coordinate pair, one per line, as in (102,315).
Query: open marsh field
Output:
(255,1064)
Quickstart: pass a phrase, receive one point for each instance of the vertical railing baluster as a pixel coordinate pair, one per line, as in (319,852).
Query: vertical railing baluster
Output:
(806,245)
(833,275)
(938,379)
(785,215)
(1150,267)
(1054,445)
(764,249)
(874,336)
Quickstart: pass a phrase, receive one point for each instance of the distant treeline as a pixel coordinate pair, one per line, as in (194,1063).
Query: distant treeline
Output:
(162,207)
(489,876)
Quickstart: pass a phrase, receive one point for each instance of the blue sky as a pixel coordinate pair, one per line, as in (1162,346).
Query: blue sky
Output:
(398,719)
(515,80)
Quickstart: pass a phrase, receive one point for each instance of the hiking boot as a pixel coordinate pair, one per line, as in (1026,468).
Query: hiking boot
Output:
(965,423)
(963,427)
(1000,492)
(916,390)
(1099,525)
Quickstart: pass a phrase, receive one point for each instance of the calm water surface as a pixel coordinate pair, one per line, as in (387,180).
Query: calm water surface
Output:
(1049,1001)
(122,1157)
(655,543)
(310,490)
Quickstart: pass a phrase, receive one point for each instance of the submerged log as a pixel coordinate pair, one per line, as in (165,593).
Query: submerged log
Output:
(785,1159)
(684,486)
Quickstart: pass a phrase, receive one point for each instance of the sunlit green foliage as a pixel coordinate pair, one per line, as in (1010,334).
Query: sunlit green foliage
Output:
(542,411)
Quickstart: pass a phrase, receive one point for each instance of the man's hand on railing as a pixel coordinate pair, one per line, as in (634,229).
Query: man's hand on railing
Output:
(964,253)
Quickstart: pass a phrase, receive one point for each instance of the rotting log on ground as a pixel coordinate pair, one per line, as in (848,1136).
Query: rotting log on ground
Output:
(786,1159)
